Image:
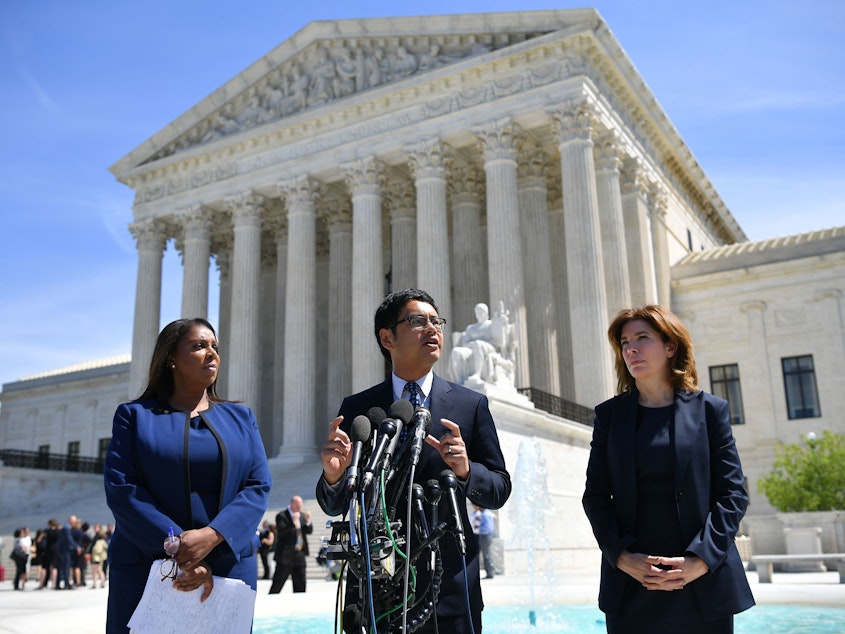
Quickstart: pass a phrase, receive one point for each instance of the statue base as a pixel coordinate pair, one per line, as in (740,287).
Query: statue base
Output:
(505,393)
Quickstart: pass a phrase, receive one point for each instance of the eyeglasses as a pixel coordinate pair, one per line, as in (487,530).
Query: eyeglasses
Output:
(169,568)
(419,322)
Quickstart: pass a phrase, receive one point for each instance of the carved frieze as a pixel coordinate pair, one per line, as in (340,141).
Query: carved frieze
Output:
(328,70)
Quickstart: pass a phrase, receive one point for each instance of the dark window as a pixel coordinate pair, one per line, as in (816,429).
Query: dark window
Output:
(42,449)
(799,380)
(689,239)
(103,448)
(724,382)
(73,448)
(73,455)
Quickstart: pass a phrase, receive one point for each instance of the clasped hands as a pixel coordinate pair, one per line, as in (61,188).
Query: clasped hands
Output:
(655,572)
(191,549)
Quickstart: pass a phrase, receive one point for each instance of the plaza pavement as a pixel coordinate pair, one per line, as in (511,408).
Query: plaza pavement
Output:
(82,610)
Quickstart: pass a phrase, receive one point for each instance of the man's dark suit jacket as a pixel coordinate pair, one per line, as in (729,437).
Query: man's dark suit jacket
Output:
(488,485)
(709,493)
(286,539)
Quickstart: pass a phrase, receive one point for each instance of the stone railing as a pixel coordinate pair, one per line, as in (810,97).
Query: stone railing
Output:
(50,461)
(558,406)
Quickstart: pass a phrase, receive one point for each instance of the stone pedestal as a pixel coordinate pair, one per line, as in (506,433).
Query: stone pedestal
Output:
(804,541)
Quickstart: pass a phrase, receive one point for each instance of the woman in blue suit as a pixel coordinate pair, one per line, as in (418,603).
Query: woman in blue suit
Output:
(665,490)
(182,458)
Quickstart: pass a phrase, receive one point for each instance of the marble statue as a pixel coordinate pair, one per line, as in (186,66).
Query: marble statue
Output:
(483,354)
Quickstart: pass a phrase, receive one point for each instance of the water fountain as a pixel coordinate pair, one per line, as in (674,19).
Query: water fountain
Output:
(529,505)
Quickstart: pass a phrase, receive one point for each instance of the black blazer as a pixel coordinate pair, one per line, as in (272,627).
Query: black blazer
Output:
(709,493)
(488,485)
(286,537)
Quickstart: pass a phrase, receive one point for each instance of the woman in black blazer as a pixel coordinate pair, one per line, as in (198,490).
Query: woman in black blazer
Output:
(665,490)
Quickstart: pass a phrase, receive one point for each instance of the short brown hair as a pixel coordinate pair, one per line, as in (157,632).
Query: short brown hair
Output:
(683,375)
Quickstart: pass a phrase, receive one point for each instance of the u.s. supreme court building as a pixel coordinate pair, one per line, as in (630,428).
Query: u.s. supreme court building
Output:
(513,158)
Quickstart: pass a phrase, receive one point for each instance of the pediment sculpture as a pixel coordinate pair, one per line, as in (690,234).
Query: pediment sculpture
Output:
(326,71)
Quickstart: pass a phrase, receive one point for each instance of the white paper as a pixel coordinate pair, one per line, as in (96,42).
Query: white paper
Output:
(165,610)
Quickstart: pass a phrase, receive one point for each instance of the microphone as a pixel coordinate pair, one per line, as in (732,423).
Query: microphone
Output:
(432,496)
(401,412)
(361,431)
(449,483)
(422,522)
(376,415)
(388,432)
(422,426)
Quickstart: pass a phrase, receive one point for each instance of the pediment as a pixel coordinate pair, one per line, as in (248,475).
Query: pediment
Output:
(328,61)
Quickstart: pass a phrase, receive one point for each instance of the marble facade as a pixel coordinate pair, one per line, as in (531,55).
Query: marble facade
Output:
(493,157)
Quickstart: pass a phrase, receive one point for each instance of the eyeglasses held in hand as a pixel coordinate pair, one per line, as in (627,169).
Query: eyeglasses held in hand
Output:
(169,567)
(419,322)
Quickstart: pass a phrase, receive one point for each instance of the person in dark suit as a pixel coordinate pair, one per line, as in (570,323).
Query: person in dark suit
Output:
(182,458)
(665,489)
(463,438)
(293,525)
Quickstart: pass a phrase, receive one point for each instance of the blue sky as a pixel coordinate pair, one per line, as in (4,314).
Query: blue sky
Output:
(756,89)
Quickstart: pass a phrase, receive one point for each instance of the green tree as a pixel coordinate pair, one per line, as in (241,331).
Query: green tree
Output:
(807,476)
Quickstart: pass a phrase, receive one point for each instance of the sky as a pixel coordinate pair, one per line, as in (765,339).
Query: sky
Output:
(756,88)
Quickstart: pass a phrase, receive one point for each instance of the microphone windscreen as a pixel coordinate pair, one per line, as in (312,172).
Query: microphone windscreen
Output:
(376,415)
(401,410)
(361,429)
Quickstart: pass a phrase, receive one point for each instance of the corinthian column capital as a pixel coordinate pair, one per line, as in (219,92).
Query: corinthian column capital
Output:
(606,153)
(498,140)
(364,176)
(299,192)
(149,235)
(574,121)
(429,159)
(246,208)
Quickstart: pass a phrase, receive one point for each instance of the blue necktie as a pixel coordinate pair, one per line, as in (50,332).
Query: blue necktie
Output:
(416,400)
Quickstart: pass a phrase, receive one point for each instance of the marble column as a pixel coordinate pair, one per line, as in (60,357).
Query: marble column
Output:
(637,233)
(429,162)
(573,125)
(401,204)
(469,266)
(278,227)
(196,251)
(223,257)
(363,179)
(499,145)
(246,277)
(150,241)
(560,293)
(614,252)
(660,241)
(338,213)
(300,315)
(536,250)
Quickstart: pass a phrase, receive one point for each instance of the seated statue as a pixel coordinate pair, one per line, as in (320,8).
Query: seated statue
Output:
(484,352)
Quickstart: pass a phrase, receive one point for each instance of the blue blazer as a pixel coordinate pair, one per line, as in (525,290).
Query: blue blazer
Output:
(709,494)
(147,491)
(488,485)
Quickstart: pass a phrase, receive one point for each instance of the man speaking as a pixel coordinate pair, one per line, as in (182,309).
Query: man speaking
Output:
(462,438)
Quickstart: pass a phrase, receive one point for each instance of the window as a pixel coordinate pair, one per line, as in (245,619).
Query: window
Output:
(799,380)
(73,448)
(43,449)
(724,382)
(103,448)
